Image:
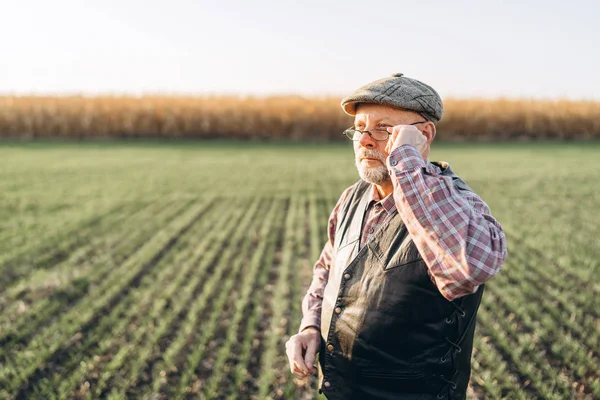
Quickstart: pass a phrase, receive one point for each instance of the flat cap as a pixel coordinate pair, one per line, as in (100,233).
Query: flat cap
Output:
(398,91)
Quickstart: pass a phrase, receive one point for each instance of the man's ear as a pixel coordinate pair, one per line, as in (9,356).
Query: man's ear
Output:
(429,131)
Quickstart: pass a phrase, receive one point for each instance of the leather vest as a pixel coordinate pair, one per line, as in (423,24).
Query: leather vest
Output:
(386,330)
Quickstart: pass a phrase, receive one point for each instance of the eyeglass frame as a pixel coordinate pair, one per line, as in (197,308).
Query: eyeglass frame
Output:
(369,132)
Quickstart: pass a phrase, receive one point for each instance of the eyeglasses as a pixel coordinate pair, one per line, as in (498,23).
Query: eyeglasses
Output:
(377,134)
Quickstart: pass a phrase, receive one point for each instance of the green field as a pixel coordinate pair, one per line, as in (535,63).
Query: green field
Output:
(176,270)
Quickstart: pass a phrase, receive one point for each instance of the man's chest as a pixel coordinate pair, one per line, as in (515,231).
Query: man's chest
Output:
(374,218)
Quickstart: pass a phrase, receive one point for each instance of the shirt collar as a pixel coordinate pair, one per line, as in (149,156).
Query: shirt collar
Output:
(387,203)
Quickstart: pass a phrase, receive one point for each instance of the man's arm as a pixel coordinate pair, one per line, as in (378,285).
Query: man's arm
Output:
(301,349)
(461,243)
(312,301)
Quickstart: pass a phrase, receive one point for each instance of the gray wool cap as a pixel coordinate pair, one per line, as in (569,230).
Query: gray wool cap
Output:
(398,91)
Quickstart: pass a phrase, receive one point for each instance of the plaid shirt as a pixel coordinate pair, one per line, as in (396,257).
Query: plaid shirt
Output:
(454,231)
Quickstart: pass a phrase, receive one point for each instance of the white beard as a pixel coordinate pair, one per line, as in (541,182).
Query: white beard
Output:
(376,175)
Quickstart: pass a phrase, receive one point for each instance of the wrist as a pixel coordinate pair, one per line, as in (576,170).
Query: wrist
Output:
(405,158)
(310,329)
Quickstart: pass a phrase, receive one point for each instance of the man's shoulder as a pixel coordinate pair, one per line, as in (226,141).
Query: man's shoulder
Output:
(444,169)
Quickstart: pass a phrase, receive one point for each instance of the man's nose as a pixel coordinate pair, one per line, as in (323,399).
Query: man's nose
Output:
(367,141)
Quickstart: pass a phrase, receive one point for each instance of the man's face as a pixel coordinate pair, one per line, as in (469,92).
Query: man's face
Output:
(370,154)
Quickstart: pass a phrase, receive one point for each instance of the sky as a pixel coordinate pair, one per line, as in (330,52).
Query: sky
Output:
(465,49)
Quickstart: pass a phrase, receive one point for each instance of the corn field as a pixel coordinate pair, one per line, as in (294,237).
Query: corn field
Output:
(289,118)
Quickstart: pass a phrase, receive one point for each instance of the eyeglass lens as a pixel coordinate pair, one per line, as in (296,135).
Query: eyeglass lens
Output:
(354,134)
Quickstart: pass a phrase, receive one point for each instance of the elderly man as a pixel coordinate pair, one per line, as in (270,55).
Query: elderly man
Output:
(392,305)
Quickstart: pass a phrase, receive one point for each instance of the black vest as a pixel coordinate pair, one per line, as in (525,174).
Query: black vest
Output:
(386,331)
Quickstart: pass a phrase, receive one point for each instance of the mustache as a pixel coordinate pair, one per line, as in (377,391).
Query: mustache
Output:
(369,153)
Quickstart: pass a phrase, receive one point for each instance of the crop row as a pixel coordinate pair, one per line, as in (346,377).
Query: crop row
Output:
(164,298)
(541,342)
(85,362)
(51,340)
(256,272)
(72,282)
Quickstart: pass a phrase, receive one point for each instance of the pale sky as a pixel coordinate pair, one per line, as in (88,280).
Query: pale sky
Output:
(539,49)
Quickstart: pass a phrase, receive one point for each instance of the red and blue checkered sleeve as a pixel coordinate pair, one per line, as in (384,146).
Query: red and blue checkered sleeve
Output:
(461,242)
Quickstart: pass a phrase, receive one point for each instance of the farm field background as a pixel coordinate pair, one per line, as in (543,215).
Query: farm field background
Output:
(176,270)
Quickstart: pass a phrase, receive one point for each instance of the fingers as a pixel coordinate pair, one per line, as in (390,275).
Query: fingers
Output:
(422,144)
(311,355)
(403,129)
(303,364)
(404,134)
(297,371)
(391,140)
(293,349)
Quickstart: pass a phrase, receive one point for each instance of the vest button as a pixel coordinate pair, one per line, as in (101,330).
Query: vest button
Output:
(326,384)
(330,347)
(371,230)
(346,276)
(338,310)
